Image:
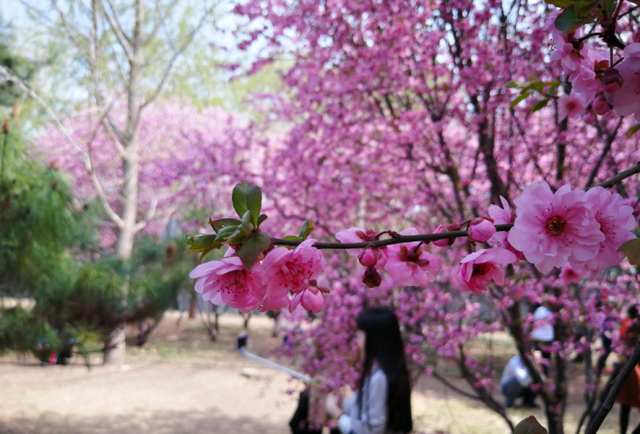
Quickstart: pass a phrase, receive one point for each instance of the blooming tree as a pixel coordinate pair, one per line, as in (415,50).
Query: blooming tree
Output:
(406,114)
(188,159)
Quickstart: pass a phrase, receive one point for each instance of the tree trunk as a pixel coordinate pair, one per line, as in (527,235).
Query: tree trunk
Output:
(555,421)
(193,305)
(274,331)
(115,347)
(246,317)
(130,167)
(216,321)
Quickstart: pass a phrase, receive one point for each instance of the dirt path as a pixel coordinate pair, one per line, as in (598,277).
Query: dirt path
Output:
(182,383)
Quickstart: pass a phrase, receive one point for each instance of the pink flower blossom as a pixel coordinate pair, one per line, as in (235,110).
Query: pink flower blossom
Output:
(569,275)
(226,281)
(616,223)
(479,268)
(284,269)
(569,106)
(446,241)
(584,80)
(601,106)
(569,57)
(359,235)
(310,298)
(410,264)
(502,216)
(481,229)
(553,229)
(626,100)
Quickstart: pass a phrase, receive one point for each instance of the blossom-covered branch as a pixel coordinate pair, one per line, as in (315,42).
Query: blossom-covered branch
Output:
(584,230)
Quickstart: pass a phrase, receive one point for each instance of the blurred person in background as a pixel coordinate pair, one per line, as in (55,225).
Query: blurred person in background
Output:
(543,334)
(516,382)
(382,403)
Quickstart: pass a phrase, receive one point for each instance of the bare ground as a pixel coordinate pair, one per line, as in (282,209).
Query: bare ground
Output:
(183,383)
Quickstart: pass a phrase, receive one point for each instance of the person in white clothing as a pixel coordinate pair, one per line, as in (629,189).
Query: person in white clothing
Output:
(382,403)
(543,334)
(516,383)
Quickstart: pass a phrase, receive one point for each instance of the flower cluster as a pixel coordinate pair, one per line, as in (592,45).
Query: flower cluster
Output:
(583,229)
(574,230)
(268,284)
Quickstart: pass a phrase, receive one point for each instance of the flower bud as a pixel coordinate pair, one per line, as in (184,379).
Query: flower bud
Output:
(5,126)
(368,258)
(611,80)
(601,106)
(481,229)
(371,278)
(445,241)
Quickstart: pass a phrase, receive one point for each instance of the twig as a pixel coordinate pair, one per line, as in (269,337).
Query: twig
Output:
(606,407)
(398,239)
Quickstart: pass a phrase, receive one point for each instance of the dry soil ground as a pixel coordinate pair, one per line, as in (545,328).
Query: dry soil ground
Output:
(183,383)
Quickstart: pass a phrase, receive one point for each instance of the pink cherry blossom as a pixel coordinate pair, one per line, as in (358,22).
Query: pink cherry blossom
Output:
(479,268)
(502,216)
(626,100)
(226,281)
(446,241)
(553,229)
(570,106)
(616,223)
(481,229)
(290,269)
(601,106)
(359,235)
(310,298)
(569,275)
(368,258)
(410,264)
(565,52)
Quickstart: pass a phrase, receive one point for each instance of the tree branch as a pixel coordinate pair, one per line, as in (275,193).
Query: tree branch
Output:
(398,239)
(85,156)
(453,387)
(160,22)
(176,54)
(122,38)
(606,407)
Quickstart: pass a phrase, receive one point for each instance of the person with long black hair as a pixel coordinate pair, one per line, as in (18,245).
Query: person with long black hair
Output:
(382,403)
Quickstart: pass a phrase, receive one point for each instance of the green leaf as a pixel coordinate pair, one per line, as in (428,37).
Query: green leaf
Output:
(247,197)
(634,129)
(239,236)
(631,249)
(239,198)
(538,85)
(225,233)
(609,6)
(307,227)
(252,248)
(261,219)
(568,20)
(221,223)
(201,242)
(519,99)
(559,3)
(530,425)
(539,105)
(205,253)
(292,238)
(254,203)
